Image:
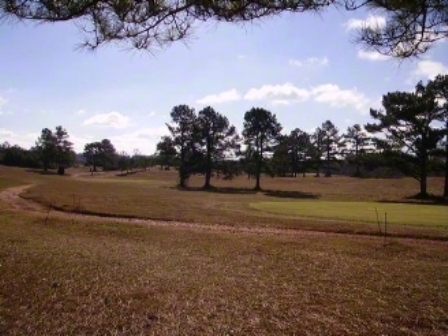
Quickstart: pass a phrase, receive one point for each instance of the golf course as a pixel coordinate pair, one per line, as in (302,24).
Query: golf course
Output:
(106,254)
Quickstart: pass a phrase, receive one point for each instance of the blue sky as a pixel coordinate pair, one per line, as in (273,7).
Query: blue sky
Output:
(305,68)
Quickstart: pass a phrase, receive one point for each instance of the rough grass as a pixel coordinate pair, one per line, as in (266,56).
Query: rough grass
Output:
(153,194)
(100,278)
(405,214)
(72,275)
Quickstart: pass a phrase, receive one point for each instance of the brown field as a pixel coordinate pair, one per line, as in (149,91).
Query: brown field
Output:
(221,268)
(153,195)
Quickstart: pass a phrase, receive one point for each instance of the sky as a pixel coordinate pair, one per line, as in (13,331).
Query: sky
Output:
(305,68)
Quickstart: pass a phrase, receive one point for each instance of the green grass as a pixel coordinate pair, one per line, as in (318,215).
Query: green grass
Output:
(404,214)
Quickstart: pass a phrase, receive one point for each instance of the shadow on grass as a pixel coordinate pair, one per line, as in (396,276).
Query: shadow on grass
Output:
(419,199)
(220,190)
(46,172)
(251,191)
(290,194)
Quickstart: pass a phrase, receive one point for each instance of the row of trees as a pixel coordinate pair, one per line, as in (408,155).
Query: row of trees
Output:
(413,128)
(53,150)
(201,142)
(205,143)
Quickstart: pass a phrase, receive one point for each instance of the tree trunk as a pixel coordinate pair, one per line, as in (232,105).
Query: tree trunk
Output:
(257,184)
(182,174)
(423,177)
(258,172)
(358,173)
(208,168)
(208,174)
(327,168)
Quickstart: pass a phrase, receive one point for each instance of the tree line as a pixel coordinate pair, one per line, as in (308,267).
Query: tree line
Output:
(53,150)
(412,128)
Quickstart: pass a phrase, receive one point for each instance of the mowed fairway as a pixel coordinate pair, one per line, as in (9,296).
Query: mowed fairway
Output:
(394,213)
(213,265)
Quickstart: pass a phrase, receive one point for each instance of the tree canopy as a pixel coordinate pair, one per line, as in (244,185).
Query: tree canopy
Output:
(54,148)
(408,121)
(100,153)
(261,132)
(411,26)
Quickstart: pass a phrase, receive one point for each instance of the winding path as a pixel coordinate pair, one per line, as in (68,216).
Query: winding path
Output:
(12,197)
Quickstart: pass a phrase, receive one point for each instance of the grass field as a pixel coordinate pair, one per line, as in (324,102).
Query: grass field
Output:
(73,274)
(153,194)
(394,213)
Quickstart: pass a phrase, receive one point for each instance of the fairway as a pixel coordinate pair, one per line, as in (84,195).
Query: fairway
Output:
(406,214)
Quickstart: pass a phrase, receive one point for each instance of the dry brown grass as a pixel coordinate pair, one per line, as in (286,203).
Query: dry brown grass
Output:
(77,277)
(153,195)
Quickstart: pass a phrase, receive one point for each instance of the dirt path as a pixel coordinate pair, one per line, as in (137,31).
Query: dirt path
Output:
(12,197)
(17,203)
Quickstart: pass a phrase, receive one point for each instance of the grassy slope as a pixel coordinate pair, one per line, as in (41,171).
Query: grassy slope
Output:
(406,214)
(76,277)
(153,195)
(95,277)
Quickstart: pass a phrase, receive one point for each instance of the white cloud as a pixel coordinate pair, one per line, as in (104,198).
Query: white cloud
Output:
(24,140)
(329,94)
(336,97)
(372,55)
(144,139)
(427,69)
(81,112)
(6,133)
(226,96)
(311,61)
(278,94)
(151,114)
(372,22)
(112,119)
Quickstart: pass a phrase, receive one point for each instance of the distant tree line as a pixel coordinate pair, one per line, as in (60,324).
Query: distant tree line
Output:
(412,141)
(53,150)
(413,128)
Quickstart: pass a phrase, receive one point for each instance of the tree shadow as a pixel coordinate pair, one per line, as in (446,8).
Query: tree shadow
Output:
(420,199)
(219,190)
(250,191)
(45,172)
(290,194)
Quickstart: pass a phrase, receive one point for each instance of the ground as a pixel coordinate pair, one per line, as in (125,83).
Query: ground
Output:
(211,264)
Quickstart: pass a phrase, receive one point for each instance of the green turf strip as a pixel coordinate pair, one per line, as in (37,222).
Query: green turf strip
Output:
(399,213)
